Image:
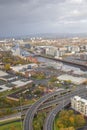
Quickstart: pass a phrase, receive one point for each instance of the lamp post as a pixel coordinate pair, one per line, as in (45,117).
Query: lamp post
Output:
(54,122)
(63,101)
(21,112)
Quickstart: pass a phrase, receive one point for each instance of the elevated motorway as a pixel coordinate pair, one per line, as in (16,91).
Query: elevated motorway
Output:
(48,125)
(50,119)
(55,101)
(33,109)
(61,98)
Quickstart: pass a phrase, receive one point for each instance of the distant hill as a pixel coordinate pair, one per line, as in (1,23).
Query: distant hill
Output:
(49,35)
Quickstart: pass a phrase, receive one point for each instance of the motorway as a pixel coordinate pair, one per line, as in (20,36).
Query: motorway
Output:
(47,104)
(56,100)
(24,108)
(48,125)
(49,120)
(33,109)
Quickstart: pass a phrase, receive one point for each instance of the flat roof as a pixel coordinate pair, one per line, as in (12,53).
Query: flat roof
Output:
(4,88)
(20,83)
(77,97)
(20,67)
(74,79)
(2,73)
(80,99)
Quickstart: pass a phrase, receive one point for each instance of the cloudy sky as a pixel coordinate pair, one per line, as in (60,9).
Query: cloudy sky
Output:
(23,17)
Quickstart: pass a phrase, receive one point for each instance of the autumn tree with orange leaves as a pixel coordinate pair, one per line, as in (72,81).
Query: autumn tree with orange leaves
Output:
(67,120)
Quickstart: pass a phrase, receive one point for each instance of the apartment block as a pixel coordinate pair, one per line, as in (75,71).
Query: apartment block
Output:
(79,104)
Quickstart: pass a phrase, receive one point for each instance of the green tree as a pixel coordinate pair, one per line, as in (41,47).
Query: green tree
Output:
(67,119)
(38,120)
(7,67)
(70,128)
(13,128)
(53,79)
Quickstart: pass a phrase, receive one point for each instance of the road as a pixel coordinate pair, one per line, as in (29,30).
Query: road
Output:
(11,117)
(33,109)
(48,125)
(31,112)
(47,104)
(49,121)
(24,108)
(56,100)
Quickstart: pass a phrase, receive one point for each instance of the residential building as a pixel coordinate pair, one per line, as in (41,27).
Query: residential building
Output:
(83,56)
(52,51)
(79,104)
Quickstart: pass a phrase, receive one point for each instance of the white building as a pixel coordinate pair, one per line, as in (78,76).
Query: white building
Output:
(73,79)
(52,51)
(23,68)
(55,52)
(16,50)
(69,48)
(83,56)
(79,104)
(75,49)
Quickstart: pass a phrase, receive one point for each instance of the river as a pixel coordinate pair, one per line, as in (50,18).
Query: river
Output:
(60,65)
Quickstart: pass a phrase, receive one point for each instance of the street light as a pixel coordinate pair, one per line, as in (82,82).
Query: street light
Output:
(63,102)
(21,112)
(54,122)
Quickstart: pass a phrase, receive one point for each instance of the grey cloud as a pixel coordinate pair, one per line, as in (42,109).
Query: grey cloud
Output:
(41,2)
(40,15)
(7,2)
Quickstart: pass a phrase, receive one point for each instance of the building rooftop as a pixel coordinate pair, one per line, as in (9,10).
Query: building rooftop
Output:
(77,98)
(20,83)
(2,73)
(74,79)
(4,88)
(81,99)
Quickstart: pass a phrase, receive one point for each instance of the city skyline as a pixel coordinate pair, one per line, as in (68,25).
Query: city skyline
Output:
(26,17)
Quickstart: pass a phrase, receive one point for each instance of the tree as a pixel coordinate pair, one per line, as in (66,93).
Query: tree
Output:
(8,111)
(7,67)
(13,128)
(38,92)
(38,120)
(53,79)
(67,119)
(79,121)
(67,82)
(70,128)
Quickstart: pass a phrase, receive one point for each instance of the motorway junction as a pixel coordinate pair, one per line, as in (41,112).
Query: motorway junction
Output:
(60,98)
